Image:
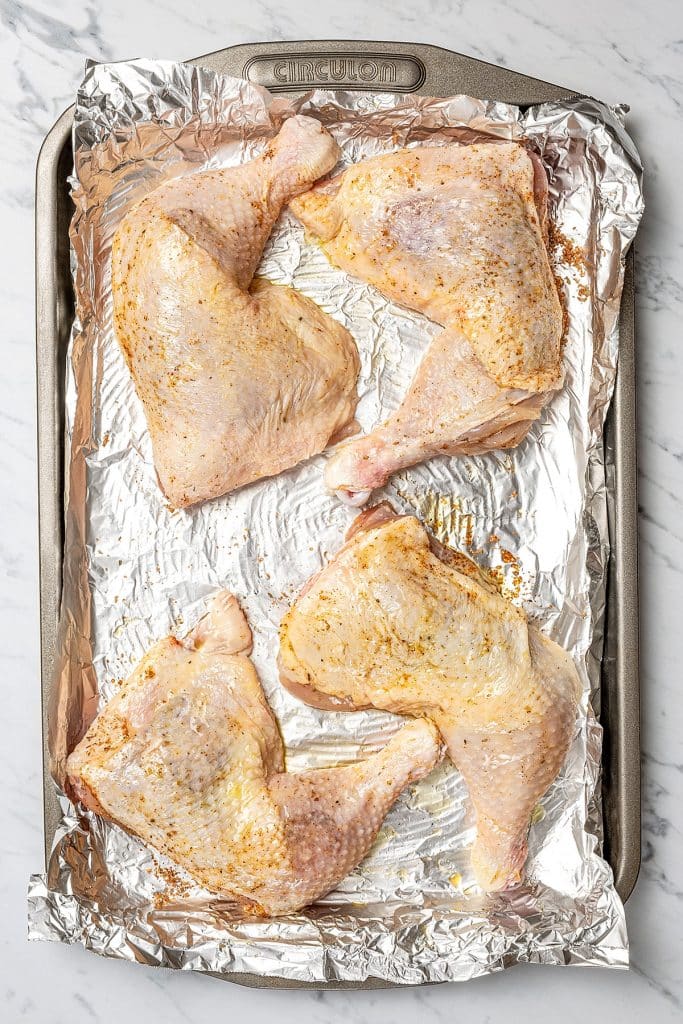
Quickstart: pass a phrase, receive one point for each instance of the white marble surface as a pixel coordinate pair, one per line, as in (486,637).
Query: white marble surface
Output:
(615,49)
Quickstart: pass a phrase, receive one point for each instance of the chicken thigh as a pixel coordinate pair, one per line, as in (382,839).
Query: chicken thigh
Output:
(188,757)
(237,383)
(396,623)
(458,233)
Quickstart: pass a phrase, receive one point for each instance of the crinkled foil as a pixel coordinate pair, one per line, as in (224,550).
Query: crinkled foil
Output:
(136,570)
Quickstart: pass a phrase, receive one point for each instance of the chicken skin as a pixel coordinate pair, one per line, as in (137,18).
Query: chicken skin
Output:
(398,623)
(238,380)
(188,757)
(457,233)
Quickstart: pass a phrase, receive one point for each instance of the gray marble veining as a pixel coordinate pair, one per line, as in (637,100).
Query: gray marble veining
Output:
(615,49)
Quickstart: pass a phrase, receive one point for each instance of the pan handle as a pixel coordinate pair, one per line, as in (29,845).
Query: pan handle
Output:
(296,67)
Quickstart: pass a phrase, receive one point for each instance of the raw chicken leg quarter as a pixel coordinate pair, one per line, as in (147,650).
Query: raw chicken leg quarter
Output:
(237,383)
(396,624)
(188,757)
(458,233)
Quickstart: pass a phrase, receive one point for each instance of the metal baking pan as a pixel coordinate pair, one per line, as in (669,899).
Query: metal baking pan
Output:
(291,67)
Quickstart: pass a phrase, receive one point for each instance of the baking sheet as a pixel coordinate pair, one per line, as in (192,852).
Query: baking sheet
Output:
(134,569)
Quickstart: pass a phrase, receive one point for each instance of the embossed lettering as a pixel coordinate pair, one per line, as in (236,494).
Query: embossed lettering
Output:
(337,69)
(387,72)
(368,71)
(306,71)
(371,71)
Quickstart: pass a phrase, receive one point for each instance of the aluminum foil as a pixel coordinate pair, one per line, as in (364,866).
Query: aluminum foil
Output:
(136,570)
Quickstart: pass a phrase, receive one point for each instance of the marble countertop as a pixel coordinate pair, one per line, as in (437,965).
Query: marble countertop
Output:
(618,50)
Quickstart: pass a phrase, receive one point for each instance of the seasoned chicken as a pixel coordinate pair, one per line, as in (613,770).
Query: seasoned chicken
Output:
(188,757)
(398,624)
(457,233)
(237,382)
